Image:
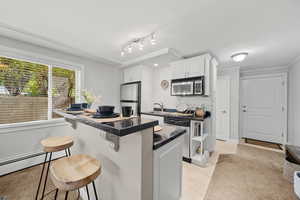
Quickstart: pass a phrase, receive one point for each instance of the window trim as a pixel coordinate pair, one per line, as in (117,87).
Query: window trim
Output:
(50,62)
(22,126)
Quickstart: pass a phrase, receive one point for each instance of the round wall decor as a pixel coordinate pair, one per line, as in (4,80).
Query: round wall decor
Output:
(164,84)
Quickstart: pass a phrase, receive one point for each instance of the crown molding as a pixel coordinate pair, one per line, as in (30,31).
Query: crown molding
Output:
(44,42)
(263,70)
(294,61)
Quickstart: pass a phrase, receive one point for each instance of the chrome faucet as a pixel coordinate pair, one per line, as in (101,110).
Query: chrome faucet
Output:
(161,105)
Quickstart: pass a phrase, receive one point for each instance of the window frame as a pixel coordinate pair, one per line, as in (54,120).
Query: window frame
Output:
(50,63)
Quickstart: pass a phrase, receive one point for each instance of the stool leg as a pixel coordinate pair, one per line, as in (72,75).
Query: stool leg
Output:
(66,153)
(78,196)
(45,183)
(66,196)
(41,177)
(96,195)
(87,191)
(56,192)
(69,151)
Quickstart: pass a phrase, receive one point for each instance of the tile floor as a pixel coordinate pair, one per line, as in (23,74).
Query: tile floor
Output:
(196,179)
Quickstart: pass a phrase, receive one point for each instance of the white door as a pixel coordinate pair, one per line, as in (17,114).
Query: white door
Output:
(262,108)
(223,108)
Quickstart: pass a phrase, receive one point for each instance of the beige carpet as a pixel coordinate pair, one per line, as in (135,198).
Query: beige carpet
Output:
(251,174)
(22,185)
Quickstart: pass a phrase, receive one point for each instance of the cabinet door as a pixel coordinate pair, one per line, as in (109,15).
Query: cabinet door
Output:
(178,70)
(126,75)
(167,171)
(136,73)
(195,66)
(132,74)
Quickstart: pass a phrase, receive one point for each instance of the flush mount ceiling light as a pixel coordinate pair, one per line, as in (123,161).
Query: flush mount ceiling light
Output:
(155,65)
(239,57)
(138,43)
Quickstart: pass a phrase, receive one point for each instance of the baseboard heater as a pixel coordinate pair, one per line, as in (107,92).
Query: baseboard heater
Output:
(21,158)
(24,158)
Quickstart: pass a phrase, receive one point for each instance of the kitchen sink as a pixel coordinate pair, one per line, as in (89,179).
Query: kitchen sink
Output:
(159,112)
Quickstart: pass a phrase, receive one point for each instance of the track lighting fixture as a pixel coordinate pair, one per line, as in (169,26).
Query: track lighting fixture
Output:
(138,43)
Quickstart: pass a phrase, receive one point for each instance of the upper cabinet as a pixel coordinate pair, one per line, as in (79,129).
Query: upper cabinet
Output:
(193,67)
(132,74)
(187,68)
(178,70)
(144,74)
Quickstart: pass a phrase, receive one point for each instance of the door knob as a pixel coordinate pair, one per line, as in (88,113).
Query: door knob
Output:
(244,111)
(224,111)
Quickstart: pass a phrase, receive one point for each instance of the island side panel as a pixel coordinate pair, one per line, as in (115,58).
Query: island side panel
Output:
(147,164)
(123,172)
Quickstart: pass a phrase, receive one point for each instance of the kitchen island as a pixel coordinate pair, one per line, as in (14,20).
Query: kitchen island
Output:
(126,150)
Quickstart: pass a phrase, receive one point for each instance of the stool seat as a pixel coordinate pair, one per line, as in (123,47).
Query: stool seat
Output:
(58,143)
(70,173)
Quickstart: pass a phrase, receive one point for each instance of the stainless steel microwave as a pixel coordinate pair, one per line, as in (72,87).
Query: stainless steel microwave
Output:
(188,86)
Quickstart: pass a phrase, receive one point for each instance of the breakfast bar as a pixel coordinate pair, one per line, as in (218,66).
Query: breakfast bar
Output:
(126,149)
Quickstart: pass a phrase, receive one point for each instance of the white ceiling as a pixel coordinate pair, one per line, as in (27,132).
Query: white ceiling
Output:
(268,29)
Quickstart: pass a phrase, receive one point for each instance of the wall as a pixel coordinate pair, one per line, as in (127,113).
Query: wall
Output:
(234,75)
(19,141)
(294,104)
(163,95)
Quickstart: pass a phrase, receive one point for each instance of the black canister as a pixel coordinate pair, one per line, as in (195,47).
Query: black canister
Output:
(127,111)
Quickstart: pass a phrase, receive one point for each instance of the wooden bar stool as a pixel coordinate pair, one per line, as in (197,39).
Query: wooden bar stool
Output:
(50,145)
(74,172)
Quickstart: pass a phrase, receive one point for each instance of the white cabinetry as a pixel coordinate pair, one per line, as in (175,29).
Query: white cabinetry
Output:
(144,74)
(179,69)
(132,74)
(160,119)
(193,67)
(167,171)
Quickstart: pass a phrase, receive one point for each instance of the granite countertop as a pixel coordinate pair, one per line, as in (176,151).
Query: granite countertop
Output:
(168,134)
(173,114)
(120,127)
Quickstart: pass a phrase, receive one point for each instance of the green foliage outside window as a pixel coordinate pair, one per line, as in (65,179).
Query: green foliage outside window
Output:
(17,75)
(31,79)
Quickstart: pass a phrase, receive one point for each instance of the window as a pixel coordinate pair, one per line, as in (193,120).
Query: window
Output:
(29,91)
(63,88)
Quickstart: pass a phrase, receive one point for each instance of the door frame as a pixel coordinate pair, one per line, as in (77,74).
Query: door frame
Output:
(284,77)
(227,77)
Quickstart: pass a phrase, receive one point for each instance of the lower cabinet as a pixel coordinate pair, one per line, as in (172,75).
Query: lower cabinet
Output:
(167,171)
